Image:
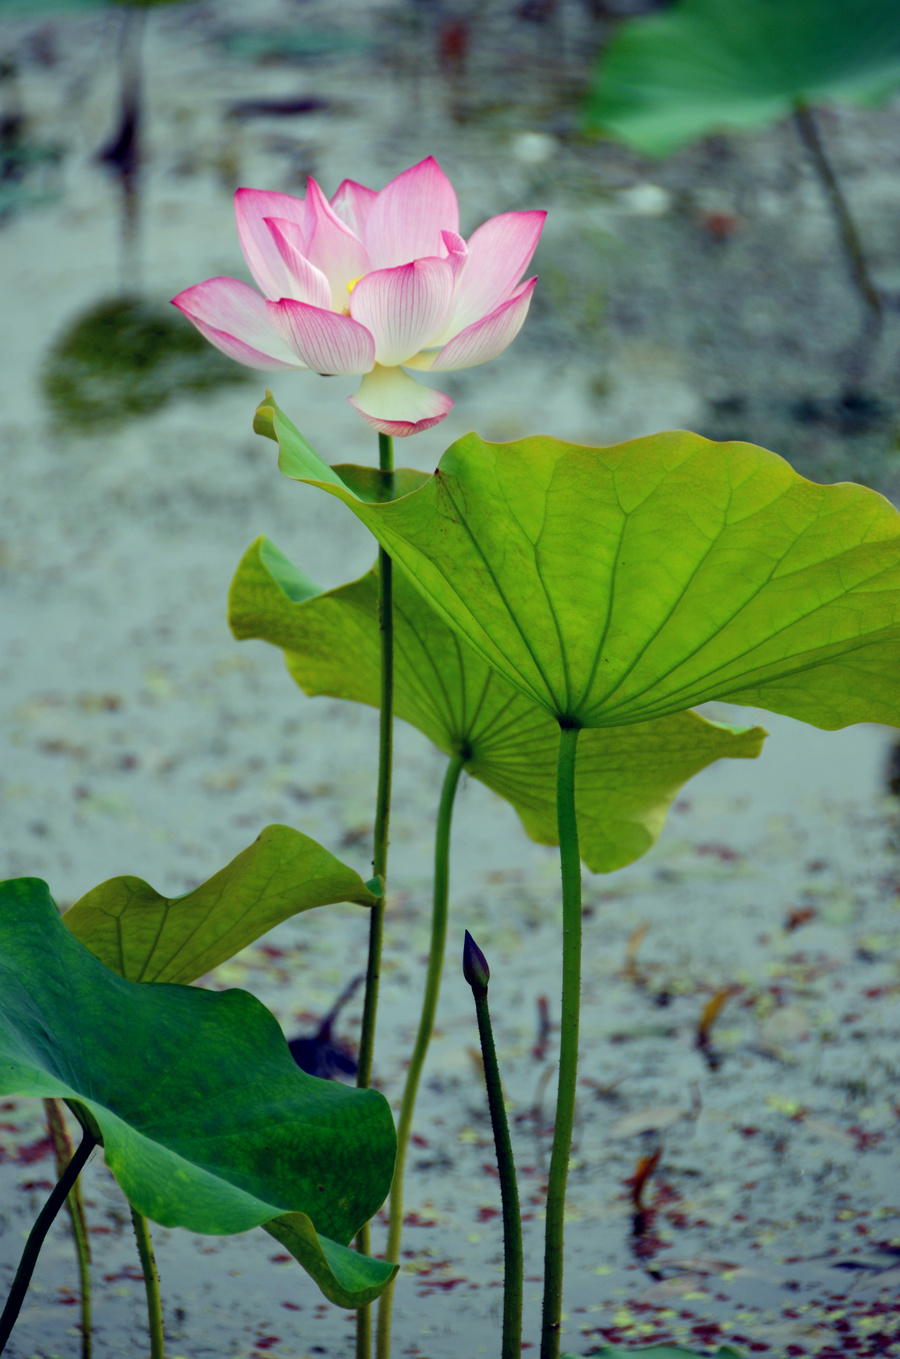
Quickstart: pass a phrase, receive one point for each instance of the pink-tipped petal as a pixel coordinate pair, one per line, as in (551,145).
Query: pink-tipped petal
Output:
(233,317)
(394,404)
(404,308)
(407,217)
(455,250)
(498,255)
(309,284)
(333,248)
(251,208)
(353,203)
(485,339)
(325,341)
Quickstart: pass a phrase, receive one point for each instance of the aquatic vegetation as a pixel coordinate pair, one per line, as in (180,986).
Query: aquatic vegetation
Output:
(549,614)
(478,975)
(702,66)
(206,1121)
(708,66)
(613,585)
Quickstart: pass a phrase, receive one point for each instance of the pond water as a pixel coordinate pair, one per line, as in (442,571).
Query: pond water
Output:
(139,737)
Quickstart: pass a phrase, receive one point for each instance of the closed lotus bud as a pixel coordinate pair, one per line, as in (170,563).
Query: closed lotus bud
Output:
(475,968)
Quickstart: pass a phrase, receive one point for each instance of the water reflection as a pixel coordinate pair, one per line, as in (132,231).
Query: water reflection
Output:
(125,357)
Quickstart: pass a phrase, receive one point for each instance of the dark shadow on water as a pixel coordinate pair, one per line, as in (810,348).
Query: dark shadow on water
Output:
(124,358)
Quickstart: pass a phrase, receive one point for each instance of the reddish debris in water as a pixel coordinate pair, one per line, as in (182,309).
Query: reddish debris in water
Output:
(724,853)
(445,1284)
(864,1139)
(800,915)
(721,226)
(643,1171)
(35,1151)
(710,1013)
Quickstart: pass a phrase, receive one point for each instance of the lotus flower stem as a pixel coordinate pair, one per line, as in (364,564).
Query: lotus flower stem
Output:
(62,1146)
(423,1037)
(151,1283)
(570,865)
(477,974)
(38,1234)
(806,126)
(382,828)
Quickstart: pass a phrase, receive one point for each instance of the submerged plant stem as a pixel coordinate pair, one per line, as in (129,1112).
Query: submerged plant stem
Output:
(382,828)
(423,1037)
(808,130)
(38,1234)
(62,1147)
(570,866)
(151,1283)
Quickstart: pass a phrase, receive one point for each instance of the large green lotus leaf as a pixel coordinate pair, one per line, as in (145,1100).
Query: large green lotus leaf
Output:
(613,585)
(626,777)
(708,65)
(147,937)
(206,1120)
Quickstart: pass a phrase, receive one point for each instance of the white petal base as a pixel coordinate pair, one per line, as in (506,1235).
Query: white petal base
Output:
(393,403)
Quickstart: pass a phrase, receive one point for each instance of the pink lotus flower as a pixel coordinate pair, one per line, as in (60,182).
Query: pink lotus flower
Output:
(371,283)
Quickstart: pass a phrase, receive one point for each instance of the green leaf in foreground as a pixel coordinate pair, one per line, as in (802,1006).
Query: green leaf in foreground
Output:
(206,1120)
(626,777)
(147,937)
(614,585)
(707,65)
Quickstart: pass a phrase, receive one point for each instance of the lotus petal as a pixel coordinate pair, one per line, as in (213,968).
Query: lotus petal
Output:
(233,317)
(408,216)
(488,337)
(353,203)
(327,342)
(403,308)
(498,255)
(333,247)
(309,283)
(251,208)
(393,403)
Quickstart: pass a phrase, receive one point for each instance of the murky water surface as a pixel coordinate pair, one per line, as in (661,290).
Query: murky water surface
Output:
(139,737)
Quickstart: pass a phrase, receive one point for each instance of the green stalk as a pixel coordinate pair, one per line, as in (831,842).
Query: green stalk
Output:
(37,1236)
(570,866)
(477,974)
(423,1037)
(62,1147)
(806,125)
(379,863)
(151,1283)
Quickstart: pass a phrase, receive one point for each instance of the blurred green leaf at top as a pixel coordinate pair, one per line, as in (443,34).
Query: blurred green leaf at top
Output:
(708,66)
(35,9)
